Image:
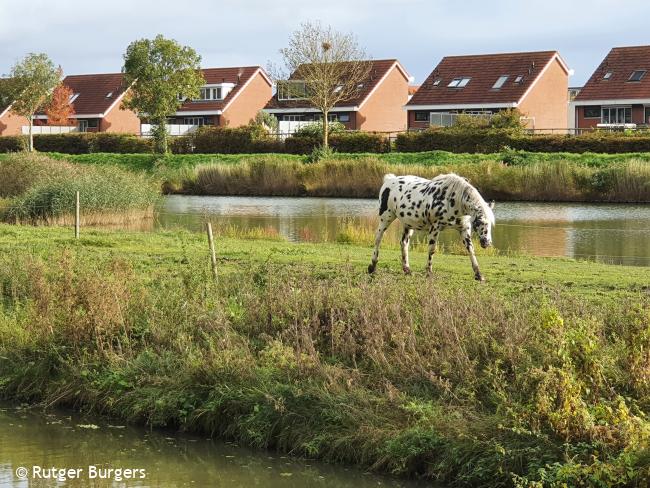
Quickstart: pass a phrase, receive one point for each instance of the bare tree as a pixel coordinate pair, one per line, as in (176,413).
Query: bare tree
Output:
(322,66)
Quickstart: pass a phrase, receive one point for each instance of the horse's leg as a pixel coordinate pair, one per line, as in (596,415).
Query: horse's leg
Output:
(406,239)
(384,221)
(466,235)
(433,238)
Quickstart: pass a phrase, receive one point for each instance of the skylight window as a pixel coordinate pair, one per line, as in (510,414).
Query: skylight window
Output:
(607,75)
(109,94)
(459,82)
(437,82)
(637,75)
(500,82)
(73,97)
(519,79)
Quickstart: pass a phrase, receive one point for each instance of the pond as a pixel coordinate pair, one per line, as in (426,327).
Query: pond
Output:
(38,441)
(611,233)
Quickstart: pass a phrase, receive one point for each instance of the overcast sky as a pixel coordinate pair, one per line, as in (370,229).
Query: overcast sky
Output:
(90,36)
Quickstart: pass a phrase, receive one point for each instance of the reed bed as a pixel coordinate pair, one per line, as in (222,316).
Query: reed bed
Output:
(559,180)
(41,190)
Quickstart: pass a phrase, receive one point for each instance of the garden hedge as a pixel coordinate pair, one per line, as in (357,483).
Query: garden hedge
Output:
(490,141)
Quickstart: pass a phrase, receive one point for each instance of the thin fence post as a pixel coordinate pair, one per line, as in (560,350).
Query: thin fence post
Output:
(213,256)
(77,223)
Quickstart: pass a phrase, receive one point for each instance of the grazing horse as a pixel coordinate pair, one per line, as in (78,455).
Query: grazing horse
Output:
(419,204)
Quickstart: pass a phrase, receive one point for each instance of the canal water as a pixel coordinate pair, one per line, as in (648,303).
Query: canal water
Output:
(33,442)
(611,233)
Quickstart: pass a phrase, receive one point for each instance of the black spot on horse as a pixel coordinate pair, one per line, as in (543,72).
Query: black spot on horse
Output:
(384,201)
(401,214)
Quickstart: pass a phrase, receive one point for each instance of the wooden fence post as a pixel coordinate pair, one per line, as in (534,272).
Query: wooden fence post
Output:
(213,256)
(76,217)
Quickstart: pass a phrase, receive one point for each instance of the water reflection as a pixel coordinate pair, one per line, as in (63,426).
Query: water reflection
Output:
(47,440)
(617,233)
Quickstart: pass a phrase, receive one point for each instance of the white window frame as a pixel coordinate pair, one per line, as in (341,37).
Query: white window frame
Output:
(73,97)
(194,121)
(616,108)
(293,118)
(500,82)
(460,82)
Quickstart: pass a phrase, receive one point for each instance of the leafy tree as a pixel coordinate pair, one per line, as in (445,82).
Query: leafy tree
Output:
(161,74)
(266,120)
(326,67)
(30,85)
(60,110)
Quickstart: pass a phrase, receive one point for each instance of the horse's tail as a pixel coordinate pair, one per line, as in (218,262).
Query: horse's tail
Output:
(389,176)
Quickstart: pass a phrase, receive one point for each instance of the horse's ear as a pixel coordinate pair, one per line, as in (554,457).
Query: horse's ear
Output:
(492,204)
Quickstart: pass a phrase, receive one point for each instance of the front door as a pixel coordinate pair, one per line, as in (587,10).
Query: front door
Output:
(83,126)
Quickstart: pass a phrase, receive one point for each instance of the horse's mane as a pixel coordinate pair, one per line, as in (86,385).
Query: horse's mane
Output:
(462,188)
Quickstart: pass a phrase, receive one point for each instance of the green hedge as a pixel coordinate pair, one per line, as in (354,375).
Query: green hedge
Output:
(12,144)
(491,141)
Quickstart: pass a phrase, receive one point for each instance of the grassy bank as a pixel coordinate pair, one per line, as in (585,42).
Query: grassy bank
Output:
(510,175)
(537,378)
(38,189)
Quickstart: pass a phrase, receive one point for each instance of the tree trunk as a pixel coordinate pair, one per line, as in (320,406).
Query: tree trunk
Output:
(325,130)
(160,135)
(31,135)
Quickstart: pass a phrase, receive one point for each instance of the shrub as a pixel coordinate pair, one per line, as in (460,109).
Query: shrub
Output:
(224,140)
(104,142)
(316,129)
(359,142)
(20,171)
(73,143)
(12,144)
(485,140)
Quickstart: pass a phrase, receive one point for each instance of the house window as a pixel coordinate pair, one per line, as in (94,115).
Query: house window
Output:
(292,90)
(109,94)
(437,82)
(83,125)
(344,117)
(607,75)
(73,97)
(293,118)
(637,75)
(209,93)
(519,79)
(422,116)
(459,82)
(194,121)
(646,117)
(616,115)
(500,82)
(592,112)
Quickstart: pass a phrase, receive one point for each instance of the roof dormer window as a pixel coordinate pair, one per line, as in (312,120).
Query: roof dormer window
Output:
(459,82)
(292,90)
(500,82)
(73,97)
(209,93)
(637,75)
(607,75)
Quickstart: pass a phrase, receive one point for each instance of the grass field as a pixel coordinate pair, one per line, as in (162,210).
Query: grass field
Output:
(539,377)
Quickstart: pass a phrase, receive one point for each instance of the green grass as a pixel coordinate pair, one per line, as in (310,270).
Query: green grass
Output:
(539,377)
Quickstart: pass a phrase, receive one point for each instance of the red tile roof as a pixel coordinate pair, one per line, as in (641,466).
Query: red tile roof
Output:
(484,70)
(621,62)
(413,89)
(93,91)
(379,68)
(237,75)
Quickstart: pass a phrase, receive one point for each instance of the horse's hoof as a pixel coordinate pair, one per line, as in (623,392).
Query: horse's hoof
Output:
(429,274)
(371,268)
(407,271)
(479,278)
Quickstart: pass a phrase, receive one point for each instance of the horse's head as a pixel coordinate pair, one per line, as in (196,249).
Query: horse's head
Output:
(482,225)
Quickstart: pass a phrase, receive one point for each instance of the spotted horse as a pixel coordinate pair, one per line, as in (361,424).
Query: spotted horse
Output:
(419,204)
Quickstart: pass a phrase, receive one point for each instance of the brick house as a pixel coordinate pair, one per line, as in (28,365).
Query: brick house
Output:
(618,92)
(378,106)
(96,100)
(536,83)
(230,97)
